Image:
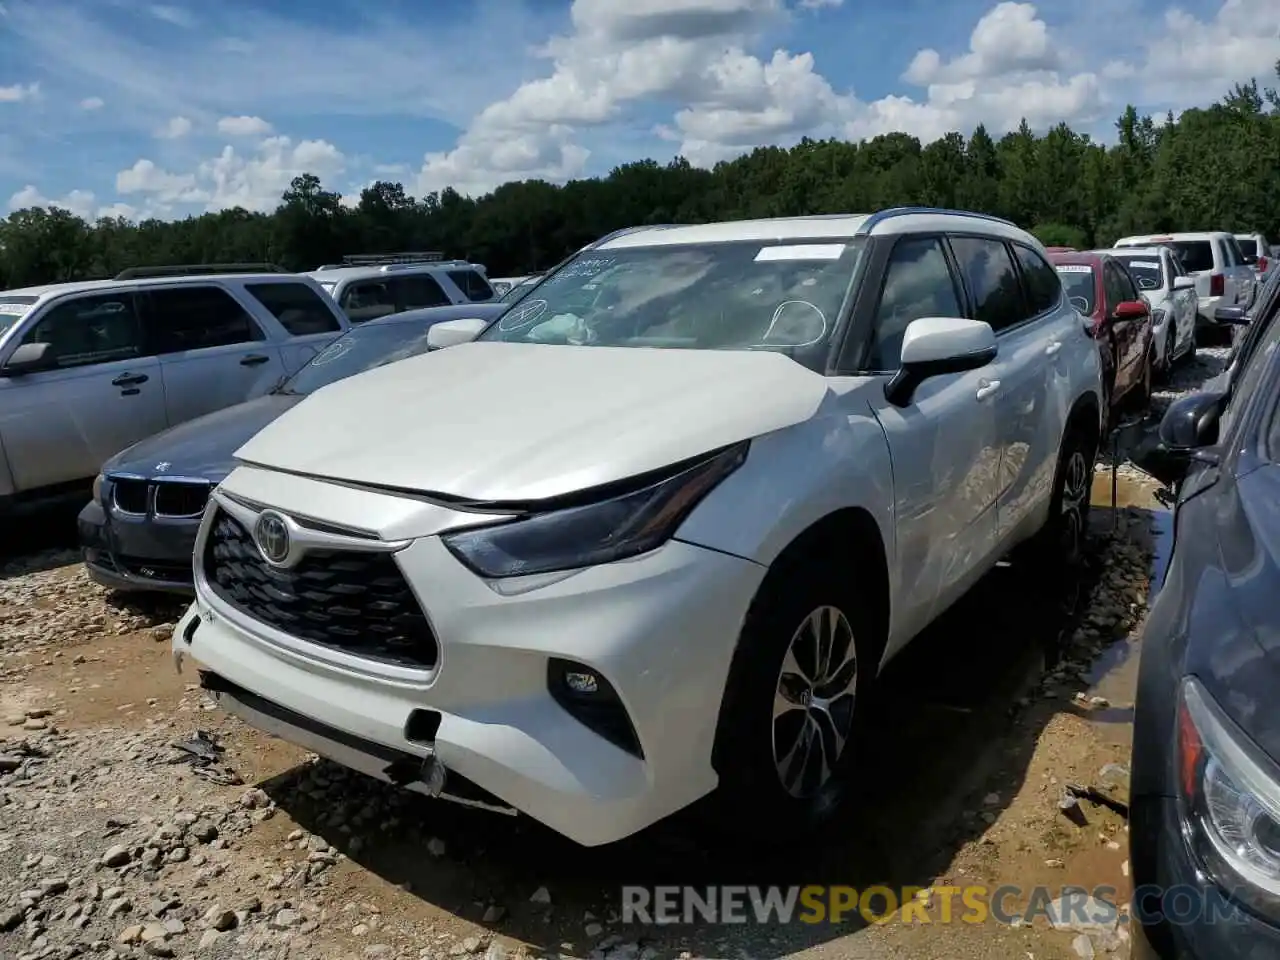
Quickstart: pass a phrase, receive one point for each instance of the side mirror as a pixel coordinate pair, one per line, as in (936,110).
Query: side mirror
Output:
(934,346)
(1231,316)
(1184,283)
(28,358)
(1132,310)
(452,332)
(1189,428)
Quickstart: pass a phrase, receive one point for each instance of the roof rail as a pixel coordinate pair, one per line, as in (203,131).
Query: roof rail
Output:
(877,218)
(410,264)
(377,259)
(196,270)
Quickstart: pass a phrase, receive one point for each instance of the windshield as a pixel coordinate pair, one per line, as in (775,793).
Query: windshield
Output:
(1146,271)
(364,348)
(13,309)
(1077,280)
(518,290)
(721,296)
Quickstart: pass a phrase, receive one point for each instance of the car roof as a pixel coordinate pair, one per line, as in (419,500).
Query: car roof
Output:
(839,226)
(82,286)
(340,274)
(458,311)
(1153,251)
(1149,238)
(1087,258)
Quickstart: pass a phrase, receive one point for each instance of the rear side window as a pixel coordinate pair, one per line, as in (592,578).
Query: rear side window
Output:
(416,292)
(1196,255)
(917,283)
(368,300)
(1248,248)
(992,281)
(472,284)
(90,330)
(196,318)
(1039,280)
(298,308)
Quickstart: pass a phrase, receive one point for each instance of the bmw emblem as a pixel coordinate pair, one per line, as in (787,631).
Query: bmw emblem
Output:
(272,535)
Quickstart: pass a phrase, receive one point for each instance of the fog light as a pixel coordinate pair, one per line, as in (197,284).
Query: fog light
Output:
(584,683)
(590,699)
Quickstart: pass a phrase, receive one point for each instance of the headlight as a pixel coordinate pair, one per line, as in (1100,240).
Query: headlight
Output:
(98,481)
(1230,796)
(1158,316)
(624,525)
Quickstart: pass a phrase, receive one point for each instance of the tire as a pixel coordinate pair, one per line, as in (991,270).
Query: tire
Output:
(1062,541)
(760,794)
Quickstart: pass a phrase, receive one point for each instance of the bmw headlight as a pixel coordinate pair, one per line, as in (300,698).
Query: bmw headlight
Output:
(1230,796)
(640,517)
(1158,316)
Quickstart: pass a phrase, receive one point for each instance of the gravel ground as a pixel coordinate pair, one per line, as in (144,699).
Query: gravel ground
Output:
(137,821)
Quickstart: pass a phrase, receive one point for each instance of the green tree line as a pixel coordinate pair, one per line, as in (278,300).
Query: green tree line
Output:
(1214,168)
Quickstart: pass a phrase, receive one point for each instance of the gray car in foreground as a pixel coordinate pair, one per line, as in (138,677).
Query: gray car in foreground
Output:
(139,530)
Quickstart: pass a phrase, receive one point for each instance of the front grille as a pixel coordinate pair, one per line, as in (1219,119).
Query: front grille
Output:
(355,602)
(181,498)
(130,495)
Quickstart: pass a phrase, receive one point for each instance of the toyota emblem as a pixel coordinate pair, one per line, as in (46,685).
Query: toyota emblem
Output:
(272,535)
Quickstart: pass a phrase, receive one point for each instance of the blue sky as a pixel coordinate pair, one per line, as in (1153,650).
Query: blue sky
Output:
(164,109)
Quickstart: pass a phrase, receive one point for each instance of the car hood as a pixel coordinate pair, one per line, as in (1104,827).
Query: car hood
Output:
(513,422)
(203,447)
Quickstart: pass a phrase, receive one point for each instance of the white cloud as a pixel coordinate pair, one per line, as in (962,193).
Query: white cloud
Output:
(92,103)
(79,202)
(1190,56)
(1009,38)
(170,14)
(19,92)
(819,4)
(175,128)
(243,126)
(254,181)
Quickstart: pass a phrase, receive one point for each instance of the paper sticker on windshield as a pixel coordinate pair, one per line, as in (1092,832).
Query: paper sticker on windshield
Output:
(1073,268)
(1144,264)
(14,309)
(802,251)
(339,348)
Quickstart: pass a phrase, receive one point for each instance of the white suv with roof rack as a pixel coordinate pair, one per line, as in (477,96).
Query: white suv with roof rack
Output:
(1216,263)
(708,481)
(375,285)
(92,367)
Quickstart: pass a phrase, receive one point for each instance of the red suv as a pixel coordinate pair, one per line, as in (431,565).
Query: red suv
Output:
(1100,287)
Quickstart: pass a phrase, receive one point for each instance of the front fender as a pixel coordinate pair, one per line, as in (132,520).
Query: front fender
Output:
(795,477)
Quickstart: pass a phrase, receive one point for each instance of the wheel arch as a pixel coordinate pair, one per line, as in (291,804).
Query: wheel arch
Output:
(849,535)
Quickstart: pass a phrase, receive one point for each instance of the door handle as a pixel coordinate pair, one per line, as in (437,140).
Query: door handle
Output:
(129,379)
(986,388)
(253,360)
(1053,348)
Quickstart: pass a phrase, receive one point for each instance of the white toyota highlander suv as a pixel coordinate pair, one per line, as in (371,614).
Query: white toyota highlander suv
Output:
(655,532)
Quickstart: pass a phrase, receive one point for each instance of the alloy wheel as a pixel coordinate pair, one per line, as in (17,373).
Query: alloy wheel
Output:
(814,700)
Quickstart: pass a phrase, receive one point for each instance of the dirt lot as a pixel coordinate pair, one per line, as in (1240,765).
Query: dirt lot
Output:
(116,843)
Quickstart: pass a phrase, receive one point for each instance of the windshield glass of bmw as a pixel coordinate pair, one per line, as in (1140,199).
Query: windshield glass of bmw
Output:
(362,349)
(1077,281)
(716,296)
(1146,271)
(13,309)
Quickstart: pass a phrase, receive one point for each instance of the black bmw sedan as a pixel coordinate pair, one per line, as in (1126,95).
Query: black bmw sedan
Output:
(139,530)
(1205,797)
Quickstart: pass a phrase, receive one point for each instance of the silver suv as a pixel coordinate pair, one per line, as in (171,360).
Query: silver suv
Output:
(370,286)
(89,368)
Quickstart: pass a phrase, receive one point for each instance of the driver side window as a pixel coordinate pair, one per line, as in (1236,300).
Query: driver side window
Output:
(917,283)
(89,331)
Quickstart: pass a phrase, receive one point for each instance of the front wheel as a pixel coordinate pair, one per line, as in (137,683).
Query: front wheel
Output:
(791,722)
